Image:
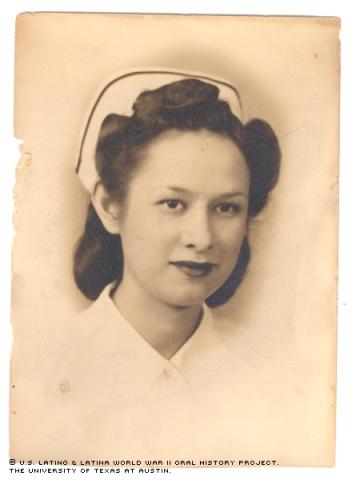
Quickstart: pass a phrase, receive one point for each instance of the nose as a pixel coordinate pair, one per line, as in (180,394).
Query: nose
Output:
(197,232)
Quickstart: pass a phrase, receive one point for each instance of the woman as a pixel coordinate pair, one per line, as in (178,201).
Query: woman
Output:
(174,178)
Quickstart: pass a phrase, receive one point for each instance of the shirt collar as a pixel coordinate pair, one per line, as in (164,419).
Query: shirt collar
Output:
(138,362)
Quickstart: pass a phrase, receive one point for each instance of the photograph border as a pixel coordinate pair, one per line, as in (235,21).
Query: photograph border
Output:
(344,425)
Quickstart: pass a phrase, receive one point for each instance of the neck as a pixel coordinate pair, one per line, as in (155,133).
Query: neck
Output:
(165,327)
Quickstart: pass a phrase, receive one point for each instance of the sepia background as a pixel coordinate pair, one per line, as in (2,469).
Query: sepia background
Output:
(282,320)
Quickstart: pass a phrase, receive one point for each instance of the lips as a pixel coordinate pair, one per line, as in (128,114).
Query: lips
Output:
(194,269)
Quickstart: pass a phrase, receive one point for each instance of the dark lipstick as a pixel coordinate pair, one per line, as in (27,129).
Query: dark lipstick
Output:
(194,269)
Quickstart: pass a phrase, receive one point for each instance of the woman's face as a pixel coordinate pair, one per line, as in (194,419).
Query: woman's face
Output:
(184,218)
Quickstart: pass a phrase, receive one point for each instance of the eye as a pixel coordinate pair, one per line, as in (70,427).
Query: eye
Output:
(228,208)
(172,204)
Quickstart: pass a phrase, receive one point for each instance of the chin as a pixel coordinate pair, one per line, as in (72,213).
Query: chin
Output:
(186,299)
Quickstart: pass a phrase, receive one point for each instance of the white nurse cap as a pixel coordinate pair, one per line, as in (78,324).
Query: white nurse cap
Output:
(118,95)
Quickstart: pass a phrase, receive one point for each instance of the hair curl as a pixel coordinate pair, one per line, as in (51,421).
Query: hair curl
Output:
(184,105)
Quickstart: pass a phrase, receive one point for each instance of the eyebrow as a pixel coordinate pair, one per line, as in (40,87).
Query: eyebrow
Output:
(183,190)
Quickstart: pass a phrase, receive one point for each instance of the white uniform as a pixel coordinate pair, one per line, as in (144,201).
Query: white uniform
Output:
(110,395)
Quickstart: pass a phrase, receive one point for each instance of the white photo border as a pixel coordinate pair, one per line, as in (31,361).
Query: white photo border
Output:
(338,8)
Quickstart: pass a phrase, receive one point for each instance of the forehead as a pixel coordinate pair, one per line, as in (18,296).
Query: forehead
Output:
(194,160)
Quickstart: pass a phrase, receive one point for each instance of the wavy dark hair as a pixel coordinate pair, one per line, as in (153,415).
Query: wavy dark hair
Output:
(186,105)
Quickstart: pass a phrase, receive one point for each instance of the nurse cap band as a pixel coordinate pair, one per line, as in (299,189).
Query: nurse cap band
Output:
(118,96)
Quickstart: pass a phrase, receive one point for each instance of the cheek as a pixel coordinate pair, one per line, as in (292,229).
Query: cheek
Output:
(145,239)
(231,237)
